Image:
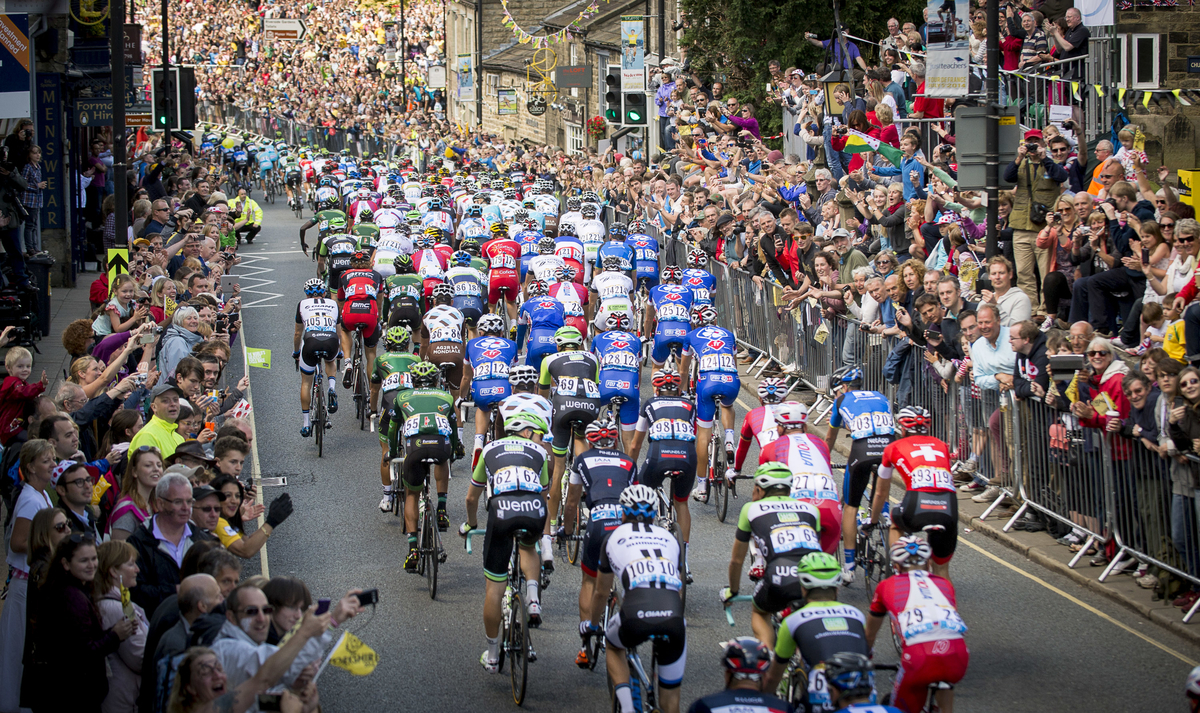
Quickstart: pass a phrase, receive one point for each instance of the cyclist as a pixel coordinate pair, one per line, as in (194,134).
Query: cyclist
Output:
(808,459)
(616,247)
(293,174)
(591,234)
(868,417)
(402,295)
(668,321)
(328,210)
(424,417)
(542,316)
(820,629)
(572,216)
(759,425)
(599,477)
(713,348)
(573,295)
(572,373)
(645,559)
(315,341)
(570,248)
(612,289)
(851,681)
(698,279)
(620,353)
(504,256)
(486,367)
(442,328)
(922,606)
(468,289)
(516,469)
(430,264)
(437,216)
(930,503)
(785,530)
(544,266)
(357,293)
(523,380)
(473,224)
(668,420)
(745,661)
(645,254)
(390,376)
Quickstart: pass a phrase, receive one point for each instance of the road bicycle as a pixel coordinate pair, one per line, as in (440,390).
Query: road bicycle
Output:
(318,410)
(931,704)
(720,477)
(872,557)
(358,378)
(666,520)
(429,538)
(514,623)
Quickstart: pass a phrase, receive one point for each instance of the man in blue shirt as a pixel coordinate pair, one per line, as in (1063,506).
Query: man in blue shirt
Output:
(851,58)
(909,165)
(662,99)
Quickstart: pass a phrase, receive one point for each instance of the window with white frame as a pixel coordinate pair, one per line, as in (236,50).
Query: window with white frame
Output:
(492,83)
(576,142)
(1143,54)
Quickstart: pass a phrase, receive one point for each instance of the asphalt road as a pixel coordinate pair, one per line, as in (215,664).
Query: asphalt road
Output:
(1038,641)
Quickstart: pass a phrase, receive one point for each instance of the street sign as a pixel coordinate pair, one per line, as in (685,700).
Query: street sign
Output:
(436,77)
(16,62)
(133,44)
(137,119)
(573,76)
(277,28)
(93,112)
(118,263)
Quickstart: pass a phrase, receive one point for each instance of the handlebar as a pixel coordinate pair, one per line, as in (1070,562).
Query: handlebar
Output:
(467,541)
(729,608)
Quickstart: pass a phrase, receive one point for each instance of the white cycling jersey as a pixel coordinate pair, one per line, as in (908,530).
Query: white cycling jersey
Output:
(642,556)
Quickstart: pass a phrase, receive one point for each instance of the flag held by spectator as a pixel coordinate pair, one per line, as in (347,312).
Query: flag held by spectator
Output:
(858,142)
(354,656)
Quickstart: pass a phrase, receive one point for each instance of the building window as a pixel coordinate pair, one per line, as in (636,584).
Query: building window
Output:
(1143,61)
(493,83)
(575,139)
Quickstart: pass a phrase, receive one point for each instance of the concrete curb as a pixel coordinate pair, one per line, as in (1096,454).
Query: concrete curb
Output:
(1041,549)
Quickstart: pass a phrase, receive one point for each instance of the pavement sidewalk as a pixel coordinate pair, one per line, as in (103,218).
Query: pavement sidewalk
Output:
(1039,547)
(67,304)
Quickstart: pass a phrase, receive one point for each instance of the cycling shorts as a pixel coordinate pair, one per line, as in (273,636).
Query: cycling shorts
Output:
(780,585)
(620,382)
(293,179)
(503,279)
(366,313)
(647,280)
(316,347)
(596,534)
(489,392)
(865,454)
(541,344)
(416,450)
(385,414)
(448,353)
(926,663)
(666,334)
(506,514)
(335,276)
(709,387)
(920,509)
(405,312)
(653,612)
(264,169)
(571,413)
(665,457)
(471,308)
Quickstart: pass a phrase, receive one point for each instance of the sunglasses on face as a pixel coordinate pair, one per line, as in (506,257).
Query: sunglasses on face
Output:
(213,508)
(1185,241)
(1097,353)
(61,526)
(254,611)
(1190,382)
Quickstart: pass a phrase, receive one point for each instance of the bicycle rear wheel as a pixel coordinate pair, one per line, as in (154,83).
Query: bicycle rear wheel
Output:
(574,545)
(518,646)
(429,546)
(318,412)
(722,496)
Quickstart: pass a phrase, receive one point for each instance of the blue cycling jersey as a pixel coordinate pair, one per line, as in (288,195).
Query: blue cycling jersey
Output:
(490,359)
(528,241)
(714,349)
(672,303)
(701,283)
(645,254)
(863,413)
(614,248)
(618,350)
(542,313)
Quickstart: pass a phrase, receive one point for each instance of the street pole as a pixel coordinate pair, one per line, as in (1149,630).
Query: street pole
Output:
(662,30)
(403,57)
(992,149)
(120,181)
(479,63)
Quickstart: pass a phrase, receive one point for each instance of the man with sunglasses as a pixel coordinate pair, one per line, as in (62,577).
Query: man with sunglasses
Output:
(206,510)
(74,487)
(1060,153)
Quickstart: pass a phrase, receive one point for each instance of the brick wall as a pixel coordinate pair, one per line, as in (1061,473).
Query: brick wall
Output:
(1179,29)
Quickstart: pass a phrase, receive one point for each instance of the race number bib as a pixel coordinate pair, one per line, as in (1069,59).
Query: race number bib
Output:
(672,429)
(813,486)
(925,619)
(673,311)
(397,380)
(717,362)
(426,423)
(794,537)
(467,288)
(936,478)
(609,511)
(513,478)
(505,262)
(700,295)
(619,360)
(491,370)
(653,572)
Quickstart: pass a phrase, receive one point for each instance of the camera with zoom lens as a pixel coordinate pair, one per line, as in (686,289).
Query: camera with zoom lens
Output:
(1032,146)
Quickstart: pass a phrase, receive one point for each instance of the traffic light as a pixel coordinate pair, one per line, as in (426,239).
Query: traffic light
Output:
(164,99)
(635,109)
(612,95)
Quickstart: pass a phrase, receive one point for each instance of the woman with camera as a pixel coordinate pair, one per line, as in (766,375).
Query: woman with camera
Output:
(1061,237)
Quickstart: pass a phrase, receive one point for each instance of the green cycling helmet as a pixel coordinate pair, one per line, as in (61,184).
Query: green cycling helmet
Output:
(568,336)
(773,475)
(413,216)
(819,570)
(424,374)
(336,224)
(396,339)
(522,420)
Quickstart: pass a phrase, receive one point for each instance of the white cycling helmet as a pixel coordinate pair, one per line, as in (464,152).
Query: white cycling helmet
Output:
(911,551)
(791,414)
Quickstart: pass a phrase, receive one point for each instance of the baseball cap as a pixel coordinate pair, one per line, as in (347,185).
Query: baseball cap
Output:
(161,389)
(180,469)
(203,491)
(840,233)
(1033,134)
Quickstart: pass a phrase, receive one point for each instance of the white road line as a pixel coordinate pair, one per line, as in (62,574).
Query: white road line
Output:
(250,262)
(255,468)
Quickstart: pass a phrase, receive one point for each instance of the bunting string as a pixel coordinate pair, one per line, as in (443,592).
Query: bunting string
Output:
(544,41)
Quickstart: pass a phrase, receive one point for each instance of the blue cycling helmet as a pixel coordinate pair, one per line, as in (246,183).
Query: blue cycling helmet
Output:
(851,376)
(462,258)
(315,287)
(850,673)
(639,502)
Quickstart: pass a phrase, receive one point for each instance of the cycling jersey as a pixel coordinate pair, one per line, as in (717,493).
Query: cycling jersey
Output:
(576,396)
(616,249)
(472,228)
(545,267)
(543,316)
(390,372)
(863,413)
(620,355)
(701,283)
(923,463)
(603,473)
(319,317)
(431,266)
(358,289)
(338,250)
(443,323)
(426,420)
(645,256)
(402,297)
(820,630)
(784,530)
(504,258)
(673,307)
(570,249)
(741,700)
(528,240)
(812,480)
(758,425)
(359,284)
(490,359)
(468,291)
(517,470)
(614,290)
(574,298)
(669,423)
(714,349)
(322,218)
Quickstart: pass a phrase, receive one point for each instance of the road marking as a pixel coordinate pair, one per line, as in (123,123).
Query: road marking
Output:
(250,262)
(1082,604)
(744,405)
(255,469)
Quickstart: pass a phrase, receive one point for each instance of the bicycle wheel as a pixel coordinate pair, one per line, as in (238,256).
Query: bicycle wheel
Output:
(574,545)
(429,546)
(722,495)
(318,411)
(897,639)
(518,646)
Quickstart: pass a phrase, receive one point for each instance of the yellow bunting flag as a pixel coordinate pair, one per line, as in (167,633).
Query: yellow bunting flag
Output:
(1099,90)
(1075,90)
(1146,99)
(1121,95)
(354,656)
(1180,99)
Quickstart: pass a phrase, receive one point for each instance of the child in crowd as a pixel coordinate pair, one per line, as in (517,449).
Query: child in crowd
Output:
(1126,154)
(122,313)
(17,395)
(1154,328)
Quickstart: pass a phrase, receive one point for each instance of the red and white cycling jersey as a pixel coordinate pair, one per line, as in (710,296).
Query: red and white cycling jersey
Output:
(759,425)
(573,296)
(922,604)
(502,254)
(806,455)
(922,461)
(430,264)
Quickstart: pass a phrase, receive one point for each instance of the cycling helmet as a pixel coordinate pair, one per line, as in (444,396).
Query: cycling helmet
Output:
(665,378)
(336,224)
(914,419)
(746,657)
(771,390)
(911,551)
(413,217)
(389,202)
(462,258)
(612,262)
(848,376)
(697,258)
(1192,687)
(564,273)
(529,204)
(791,414)
(851,674)
(424,374)
(366,215)
(396,339)
(443,292)
(470,246)
(433,232)
(475,211)
(327,182)
(567,228)
(491,325)
(591,197)
(523,420)
(521,215)
(532,225)
(703,314)
(546,245)
(671,274)
(573,204)
(427,191)
(435,204)
(639,501)
(483,199)
(618,321)
(588,211)
(637,226)
(568,336)
(403,264)
(360,257)
(602,432)
(315,287)
(537,288)
(521,375)
(819,570)
(773,475)
(329,203)
(510,193)
(617,230)
(499,230)
(423,242)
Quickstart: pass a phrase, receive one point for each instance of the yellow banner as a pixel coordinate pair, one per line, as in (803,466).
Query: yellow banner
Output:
(354,656)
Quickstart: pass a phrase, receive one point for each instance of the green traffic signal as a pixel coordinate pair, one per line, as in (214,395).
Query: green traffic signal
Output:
(611,114)
(633,116)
